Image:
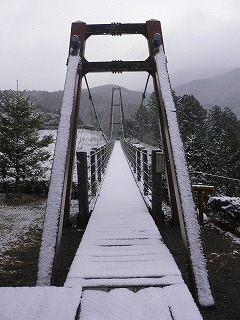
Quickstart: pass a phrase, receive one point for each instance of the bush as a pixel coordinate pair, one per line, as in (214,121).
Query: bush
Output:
(37,187)
(226,213)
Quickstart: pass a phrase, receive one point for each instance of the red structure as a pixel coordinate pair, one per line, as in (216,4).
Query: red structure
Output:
(80,32)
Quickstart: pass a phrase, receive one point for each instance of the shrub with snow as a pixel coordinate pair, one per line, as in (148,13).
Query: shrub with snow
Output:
(226,212)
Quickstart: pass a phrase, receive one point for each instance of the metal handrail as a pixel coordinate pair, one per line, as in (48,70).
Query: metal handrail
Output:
(140,164)
(91,170)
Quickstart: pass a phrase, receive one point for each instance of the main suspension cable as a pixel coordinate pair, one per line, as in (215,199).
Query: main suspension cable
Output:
(214,175)
(144,92)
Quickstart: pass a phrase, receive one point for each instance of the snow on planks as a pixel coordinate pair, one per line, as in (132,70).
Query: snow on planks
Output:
(39,303)
(122,247)
(166,303)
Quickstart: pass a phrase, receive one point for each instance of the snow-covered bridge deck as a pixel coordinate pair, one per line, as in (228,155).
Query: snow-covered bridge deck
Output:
(122,268)
(122,249)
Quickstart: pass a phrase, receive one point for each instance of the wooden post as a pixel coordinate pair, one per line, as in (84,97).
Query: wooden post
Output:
(138,154)
(93,171)
(157,170)
(130,151)
(200,206)
(201,189)
(102,152)
(99,174)
(134,159)
(145,172)
(83,214)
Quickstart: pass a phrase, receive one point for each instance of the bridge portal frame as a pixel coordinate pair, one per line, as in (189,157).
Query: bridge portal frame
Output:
(153,33)
(148,30)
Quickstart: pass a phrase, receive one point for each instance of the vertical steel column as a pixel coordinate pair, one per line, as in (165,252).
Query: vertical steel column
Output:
(198,277)
(60,186)
(122,114)
(153,27)
(120,105)
(78,28)
(111,118)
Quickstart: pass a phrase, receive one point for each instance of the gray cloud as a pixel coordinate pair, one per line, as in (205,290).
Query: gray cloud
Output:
(201,39)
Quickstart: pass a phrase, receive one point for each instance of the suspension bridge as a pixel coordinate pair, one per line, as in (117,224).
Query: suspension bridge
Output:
(122,268)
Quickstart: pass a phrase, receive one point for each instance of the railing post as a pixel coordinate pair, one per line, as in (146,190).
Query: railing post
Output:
(99,164)
(102,150)
(93,171)
(83,214)
(157,170)
(134,159)
(200,189)
(145,172)
(138,151)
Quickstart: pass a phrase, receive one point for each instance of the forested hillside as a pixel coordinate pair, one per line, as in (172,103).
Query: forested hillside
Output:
(50,103)
(211,140)
(223,90)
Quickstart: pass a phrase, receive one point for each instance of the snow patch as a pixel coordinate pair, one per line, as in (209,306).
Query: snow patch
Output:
(36,303)
(146,304)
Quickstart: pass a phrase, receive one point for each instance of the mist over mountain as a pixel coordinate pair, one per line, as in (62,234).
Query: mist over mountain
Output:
(101,96)
(222,90)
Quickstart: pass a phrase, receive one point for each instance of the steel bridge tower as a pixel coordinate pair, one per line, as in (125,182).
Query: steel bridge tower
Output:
(117,121)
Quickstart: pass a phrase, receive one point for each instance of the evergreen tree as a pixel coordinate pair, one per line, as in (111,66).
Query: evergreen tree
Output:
(191,117)
(154,131)
(138,125)
(21,147)
(224,145)
(193,128)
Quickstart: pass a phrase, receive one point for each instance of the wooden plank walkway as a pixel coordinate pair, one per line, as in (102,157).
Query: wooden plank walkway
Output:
(123,255)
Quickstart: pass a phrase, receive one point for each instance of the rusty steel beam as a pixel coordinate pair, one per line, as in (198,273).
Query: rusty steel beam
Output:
(78,28)
(120,105)
(115,29)
(152,31)
(116,66)
(154,27)
(176,196)
(175,202)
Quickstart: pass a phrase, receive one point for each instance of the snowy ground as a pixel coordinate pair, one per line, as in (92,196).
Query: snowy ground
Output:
(17,228)
(16,225)
(17,222)
(86,140)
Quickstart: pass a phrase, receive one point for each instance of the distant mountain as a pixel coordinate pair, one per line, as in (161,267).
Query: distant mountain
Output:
(47,100)
(101,96)
(223,90)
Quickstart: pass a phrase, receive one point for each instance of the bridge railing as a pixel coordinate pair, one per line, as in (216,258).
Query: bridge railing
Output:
(91,168)
(147,167)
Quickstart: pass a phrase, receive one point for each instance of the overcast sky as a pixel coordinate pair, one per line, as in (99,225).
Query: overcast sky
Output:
(201,39)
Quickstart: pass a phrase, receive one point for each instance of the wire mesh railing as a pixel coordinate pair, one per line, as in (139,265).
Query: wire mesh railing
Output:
(140,164)
(97,163)
(147,167)
(91,168)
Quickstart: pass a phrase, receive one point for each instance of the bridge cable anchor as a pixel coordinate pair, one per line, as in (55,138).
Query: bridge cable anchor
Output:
(75,45)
